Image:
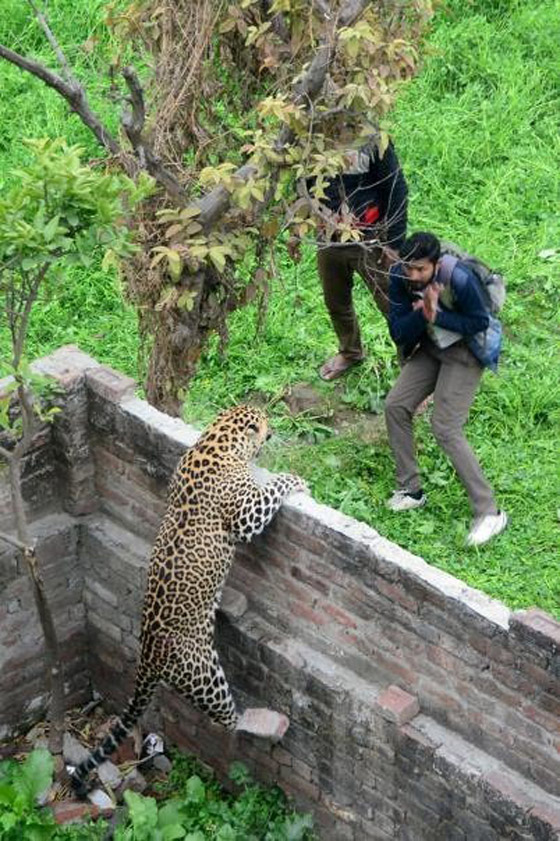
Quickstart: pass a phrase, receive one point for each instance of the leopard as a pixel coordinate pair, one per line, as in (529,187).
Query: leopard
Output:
(213,503)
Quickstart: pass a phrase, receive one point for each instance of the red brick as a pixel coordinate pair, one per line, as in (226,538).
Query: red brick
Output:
(329,573)
(339,615)
(396,705)
(303,770)
(544,719)
(551,703)
(303,611)
(311,580)
(346,637)
(496,651)
(443,701)
(282,756)
(538,675)
(298,788)
(73,811)
(449,662)
(395,593)
(295,590)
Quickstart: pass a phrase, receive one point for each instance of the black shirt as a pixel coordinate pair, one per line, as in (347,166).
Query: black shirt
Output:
(373,181)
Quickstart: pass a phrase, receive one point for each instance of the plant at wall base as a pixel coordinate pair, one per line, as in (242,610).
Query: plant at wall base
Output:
(60,212)
(198,808)
(195,808)
(21,783)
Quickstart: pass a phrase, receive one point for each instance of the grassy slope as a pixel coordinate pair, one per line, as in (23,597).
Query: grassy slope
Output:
(477,135)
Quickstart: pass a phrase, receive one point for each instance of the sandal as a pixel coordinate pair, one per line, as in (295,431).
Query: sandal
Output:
(336,366)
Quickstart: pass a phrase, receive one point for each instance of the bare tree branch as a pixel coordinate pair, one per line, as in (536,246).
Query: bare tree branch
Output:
(57,49)
(13,541)
(72,92)
(133,123)
(323,9)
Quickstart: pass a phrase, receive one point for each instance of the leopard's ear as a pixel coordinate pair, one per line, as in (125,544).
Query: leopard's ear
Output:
(252,427)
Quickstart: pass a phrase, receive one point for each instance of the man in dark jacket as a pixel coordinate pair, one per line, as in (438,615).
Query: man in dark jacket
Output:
(433,322)
(372,194)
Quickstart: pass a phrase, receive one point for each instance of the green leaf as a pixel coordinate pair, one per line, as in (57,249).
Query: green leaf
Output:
(187,299)
(7,794)
(196,790)
(296,827)
(170,814)
(30,263)
(35,775)
(110,260)
(217,255)
(226,833)
(143,815)
(190,212)
(51,228)
(170,833)
(174,264)
(239,773)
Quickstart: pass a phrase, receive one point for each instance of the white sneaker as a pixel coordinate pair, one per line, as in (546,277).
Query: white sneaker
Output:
(403,501)
(486,527)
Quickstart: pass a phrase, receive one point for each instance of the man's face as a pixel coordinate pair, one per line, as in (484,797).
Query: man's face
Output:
(419,273)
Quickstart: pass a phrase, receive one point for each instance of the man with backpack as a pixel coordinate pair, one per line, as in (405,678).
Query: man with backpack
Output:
(441,316)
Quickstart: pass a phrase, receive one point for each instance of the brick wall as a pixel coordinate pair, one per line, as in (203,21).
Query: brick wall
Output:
(419,707)
(23,695)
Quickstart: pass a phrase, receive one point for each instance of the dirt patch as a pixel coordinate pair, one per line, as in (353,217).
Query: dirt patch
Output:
(308,401)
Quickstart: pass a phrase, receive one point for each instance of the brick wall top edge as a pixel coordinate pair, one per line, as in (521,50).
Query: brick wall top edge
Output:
(52,524)
(382,548)
(537,626)
(110,384)
(174,428)
(66,364)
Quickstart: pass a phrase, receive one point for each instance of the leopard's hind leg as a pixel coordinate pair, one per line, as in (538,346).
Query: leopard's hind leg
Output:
(199,677)
(196,673)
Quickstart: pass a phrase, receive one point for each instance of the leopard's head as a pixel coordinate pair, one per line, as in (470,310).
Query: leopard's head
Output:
(241,430)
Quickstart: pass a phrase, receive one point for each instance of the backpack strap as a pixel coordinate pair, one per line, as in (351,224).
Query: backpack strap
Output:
(447,265)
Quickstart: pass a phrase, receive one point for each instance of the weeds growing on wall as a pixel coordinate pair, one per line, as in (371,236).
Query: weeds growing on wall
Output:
(477,135)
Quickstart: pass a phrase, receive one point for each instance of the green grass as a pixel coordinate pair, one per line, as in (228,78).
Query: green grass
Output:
(477,134)
(88,308)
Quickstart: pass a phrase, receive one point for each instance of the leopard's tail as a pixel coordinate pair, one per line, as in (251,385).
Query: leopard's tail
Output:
(143,692)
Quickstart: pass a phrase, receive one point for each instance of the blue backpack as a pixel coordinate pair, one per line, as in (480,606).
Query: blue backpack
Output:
(486,345)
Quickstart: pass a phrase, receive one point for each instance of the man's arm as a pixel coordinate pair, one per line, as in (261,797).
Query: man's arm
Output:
(406,324)
(470,315)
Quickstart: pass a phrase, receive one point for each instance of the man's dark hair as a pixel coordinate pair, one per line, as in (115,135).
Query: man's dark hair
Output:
(420,246)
